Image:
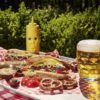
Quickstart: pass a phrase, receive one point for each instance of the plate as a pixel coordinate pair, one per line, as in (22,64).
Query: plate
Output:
(35,93)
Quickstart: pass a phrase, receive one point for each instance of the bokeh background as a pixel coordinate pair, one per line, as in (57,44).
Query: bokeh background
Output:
(63,23)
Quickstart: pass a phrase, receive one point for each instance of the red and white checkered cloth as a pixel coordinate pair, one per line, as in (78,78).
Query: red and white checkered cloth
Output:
(10,95)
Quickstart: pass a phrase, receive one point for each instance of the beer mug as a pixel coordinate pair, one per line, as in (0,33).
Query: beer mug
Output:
(88,57)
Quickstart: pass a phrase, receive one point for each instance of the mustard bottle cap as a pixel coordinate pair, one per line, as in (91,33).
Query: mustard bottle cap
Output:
(32,23)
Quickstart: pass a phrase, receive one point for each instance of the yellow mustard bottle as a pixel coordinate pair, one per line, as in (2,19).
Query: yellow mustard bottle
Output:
(32,37)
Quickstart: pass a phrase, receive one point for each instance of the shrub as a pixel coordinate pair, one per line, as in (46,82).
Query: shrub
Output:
(58,31)
(64,32)
(13,24)
(9,24)
(12,27)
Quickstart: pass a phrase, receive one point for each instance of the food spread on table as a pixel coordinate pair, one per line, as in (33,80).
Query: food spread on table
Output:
(46,71)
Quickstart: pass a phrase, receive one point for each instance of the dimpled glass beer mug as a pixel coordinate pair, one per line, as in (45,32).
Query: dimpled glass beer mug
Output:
(88,57)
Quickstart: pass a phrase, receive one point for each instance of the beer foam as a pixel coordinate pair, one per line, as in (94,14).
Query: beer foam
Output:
(89,46)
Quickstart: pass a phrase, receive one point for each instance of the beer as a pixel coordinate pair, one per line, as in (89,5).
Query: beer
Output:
(88,57)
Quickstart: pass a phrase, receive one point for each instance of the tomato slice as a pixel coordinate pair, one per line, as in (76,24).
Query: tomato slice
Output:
(25,81)
(32,83)
(36,83)
(59,71)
